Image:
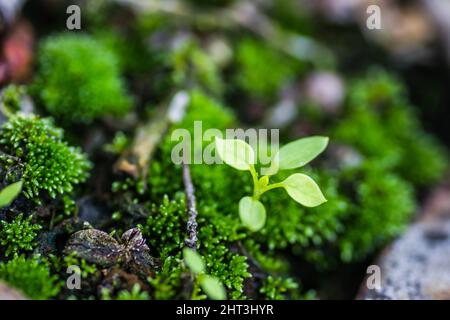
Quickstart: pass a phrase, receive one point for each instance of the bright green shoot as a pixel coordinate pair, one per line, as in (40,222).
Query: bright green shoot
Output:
(300,187)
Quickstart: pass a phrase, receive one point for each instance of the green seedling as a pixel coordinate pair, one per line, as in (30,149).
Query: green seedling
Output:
(300,187)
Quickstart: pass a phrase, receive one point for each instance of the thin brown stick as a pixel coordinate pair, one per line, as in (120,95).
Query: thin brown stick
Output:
(135,160)
(192,225)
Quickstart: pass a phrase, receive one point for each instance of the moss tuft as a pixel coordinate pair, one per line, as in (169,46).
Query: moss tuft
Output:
(32,276)
(78,79)
(18,235)
(48,165)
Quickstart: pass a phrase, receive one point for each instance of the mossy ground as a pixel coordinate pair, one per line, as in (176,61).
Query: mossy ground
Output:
(95,88)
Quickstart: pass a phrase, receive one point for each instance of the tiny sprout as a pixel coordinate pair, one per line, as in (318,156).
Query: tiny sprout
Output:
(210,285)
(300,187)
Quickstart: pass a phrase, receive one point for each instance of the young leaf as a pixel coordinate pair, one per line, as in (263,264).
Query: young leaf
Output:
(193,260)
(213,287)
(8,194)
(252,213)
(298,153)
(236,153)
(263,181)
(304,190)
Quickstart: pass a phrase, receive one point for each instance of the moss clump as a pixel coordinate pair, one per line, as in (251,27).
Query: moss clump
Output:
(392,135)
(78,79)
(278,288)
(166,230)
(292,225)
(11,98)
(166,220)
(168,282)
(18,235)
(261,70)
(48,165)
(382,207)
(31,276)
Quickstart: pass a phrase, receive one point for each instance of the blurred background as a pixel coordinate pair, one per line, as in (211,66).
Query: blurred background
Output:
(323,36)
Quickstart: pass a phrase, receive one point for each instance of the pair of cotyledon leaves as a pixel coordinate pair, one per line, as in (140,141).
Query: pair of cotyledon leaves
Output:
(300,187)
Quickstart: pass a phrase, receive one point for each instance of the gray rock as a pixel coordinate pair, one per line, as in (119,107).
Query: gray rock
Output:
(417,265)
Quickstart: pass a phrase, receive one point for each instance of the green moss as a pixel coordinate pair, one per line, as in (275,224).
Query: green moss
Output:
(11,98)
(78,79)
(382,125)
(261,70)
(132,55)
(168,221)
(18,235)
(31,276)
(289,224)
(87,269)
(267,259)
(134,294)
(382,207)
(201,108)
(118,144)
(278,288)
(48,165)
(219,227)
(192,65)
(168,282)
(367,206)
(165,230)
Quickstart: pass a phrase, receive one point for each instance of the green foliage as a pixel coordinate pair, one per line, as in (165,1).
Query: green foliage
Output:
(382,207)
(211,285)
(118,144)
(267,259)
(48,164)
(167,283)
(9,193)
(167,221)
(129,49)
(383,126)
(31,276)
(87,269)
(241,156)
(252,213)
(18,235)
(201,108)
(289,224)
(135,294)
(278,288)
(261,70)
(78,79)
(166,229)
(299,153)
(11,98)
(191,64)
(220,228)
